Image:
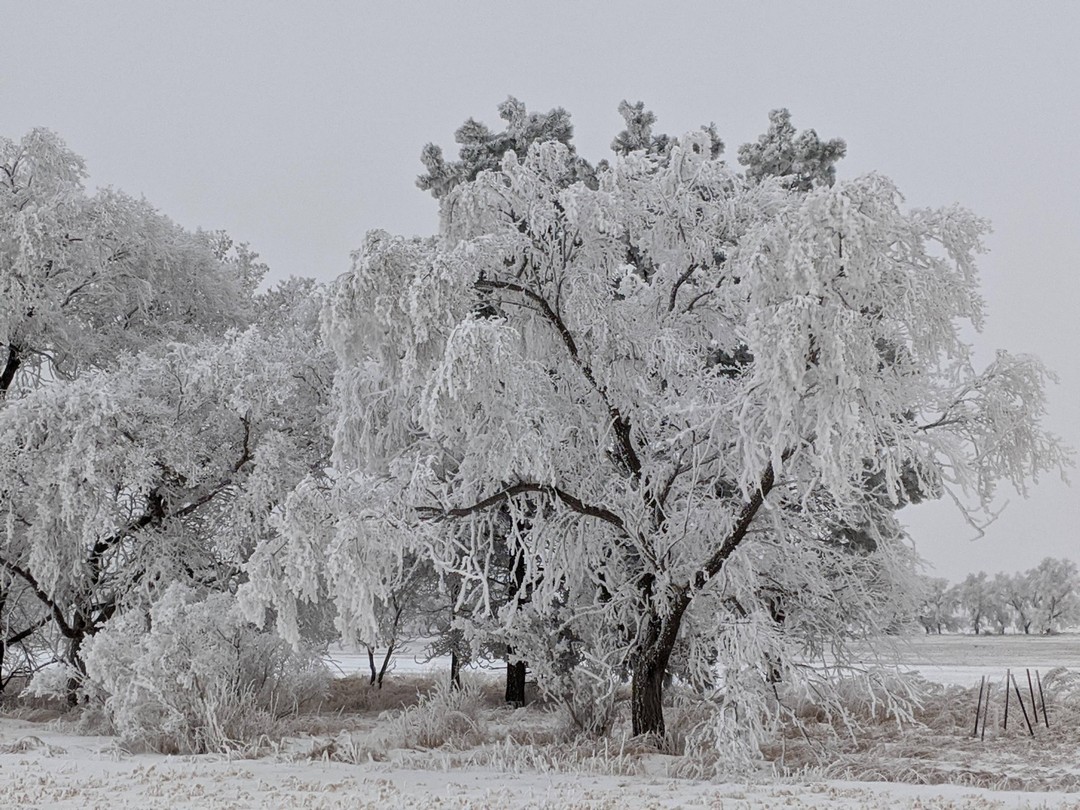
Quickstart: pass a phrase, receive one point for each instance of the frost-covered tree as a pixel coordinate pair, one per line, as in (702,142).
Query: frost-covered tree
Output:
(165,469)
(1055,594)
(801,159)
(1019,596)
(999,615)
(85,278)
(978,599)
(481,149)
(937,609)
(86,281)
(693,383)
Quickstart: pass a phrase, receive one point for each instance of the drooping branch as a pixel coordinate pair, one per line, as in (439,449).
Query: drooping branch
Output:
(620,424)
(505,494)
(157,509)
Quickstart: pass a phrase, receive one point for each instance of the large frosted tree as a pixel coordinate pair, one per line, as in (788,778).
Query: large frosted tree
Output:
(87,277)
(164,470)
(704,393)
(127,417)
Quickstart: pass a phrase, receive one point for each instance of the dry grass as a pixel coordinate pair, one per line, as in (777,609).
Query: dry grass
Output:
(414,721)
(937,746)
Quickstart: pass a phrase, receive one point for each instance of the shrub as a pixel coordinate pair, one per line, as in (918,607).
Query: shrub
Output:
(446,717)
(192,676)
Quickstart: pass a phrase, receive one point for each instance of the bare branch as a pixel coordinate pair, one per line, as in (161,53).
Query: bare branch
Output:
(436,514)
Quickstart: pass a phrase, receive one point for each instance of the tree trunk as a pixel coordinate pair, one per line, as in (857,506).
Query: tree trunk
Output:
(647,698)
(385,664)
(515,681)
(515,672)
(648,668)
(3,640)
(7,376)
(81,627)
(371,664)
(455,670)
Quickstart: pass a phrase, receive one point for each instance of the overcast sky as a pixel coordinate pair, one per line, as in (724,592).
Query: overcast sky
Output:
(298,126)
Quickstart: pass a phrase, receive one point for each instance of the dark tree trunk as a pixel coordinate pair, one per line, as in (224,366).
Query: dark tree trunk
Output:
(455,670)
(11,365)
(385,665)
(648,670)
(371,665)
(515,670)
(515,681)
(647,693)
(3,641)
(81,627)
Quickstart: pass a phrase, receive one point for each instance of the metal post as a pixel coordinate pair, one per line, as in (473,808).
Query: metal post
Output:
(1031,691)
(1020,700)
(1008,673)
(979,705)
(1042,699)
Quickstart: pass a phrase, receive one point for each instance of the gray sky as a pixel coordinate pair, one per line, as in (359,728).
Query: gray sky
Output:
(298,126)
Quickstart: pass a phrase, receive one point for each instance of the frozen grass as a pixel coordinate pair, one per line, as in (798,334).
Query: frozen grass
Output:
(416,725)
(939,746)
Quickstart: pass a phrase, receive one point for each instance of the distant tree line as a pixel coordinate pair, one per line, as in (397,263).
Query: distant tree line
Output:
(1044,599)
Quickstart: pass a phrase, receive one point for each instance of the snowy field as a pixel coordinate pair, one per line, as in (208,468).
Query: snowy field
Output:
(48,765)
(963,660)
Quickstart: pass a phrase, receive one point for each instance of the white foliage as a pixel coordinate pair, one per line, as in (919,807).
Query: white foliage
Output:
(694,389)
(191,675)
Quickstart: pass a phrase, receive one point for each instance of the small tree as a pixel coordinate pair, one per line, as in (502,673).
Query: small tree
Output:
(1055,594)
(1019,596)
(999,616)
(937,608)
(977,598)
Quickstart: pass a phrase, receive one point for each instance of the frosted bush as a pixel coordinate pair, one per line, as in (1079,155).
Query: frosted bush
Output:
(193,676)
(447,717)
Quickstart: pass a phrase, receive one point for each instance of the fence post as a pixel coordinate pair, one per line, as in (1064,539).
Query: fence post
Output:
(978,706)
(1008,673)
(1042,699)
(1020,700)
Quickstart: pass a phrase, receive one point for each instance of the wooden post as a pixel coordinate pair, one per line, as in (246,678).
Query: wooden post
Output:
(986,707)
(978,706)
(1020,700)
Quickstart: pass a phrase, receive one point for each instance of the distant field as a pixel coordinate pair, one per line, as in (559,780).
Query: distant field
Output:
(948,659)
(964,659)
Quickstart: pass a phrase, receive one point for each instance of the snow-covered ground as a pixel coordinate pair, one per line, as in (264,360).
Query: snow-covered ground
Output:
(44,768)
(46,765)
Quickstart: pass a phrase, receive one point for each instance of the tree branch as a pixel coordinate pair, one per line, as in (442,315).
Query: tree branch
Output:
(678,283)
(435,514)
(738,533)
(620,424)
(46,600)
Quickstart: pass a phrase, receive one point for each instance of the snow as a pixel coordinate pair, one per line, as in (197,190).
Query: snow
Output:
(55,769)
(50,765)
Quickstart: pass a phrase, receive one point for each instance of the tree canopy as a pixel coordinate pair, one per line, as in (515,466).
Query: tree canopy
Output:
(690,384)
